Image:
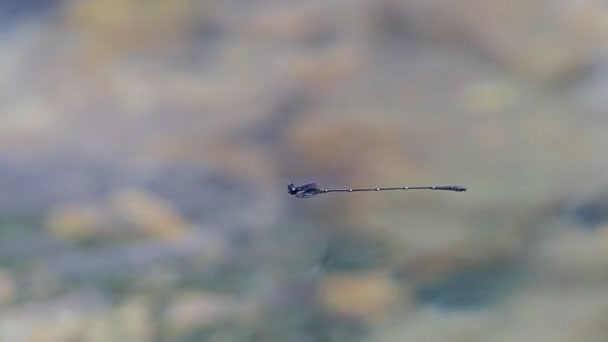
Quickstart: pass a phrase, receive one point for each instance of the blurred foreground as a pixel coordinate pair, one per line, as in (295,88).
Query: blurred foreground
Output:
(145,148)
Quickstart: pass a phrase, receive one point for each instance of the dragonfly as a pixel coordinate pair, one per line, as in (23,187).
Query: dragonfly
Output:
(312,189)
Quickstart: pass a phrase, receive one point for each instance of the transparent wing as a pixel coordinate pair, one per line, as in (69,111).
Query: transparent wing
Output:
(309,186)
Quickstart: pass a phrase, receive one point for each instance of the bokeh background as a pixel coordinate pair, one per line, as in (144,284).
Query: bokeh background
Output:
(145,148)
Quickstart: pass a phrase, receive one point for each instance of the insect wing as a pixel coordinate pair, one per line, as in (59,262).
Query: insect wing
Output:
(307,190)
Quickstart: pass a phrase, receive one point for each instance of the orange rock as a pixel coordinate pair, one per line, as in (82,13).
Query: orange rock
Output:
(8,287)
(192,310)
(75,223)
(368,296)
(149,213)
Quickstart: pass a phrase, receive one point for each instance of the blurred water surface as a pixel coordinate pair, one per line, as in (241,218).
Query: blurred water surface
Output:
(145,148)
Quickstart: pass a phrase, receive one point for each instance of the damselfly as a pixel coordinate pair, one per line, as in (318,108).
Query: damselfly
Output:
(311,189)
